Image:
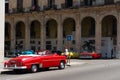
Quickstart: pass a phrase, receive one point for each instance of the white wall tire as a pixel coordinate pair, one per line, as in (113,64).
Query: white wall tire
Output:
(34,68)
(62,65)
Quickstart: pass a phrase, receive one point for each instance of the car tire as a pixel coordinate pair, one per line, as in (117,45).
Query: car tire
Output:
(62,65)
(34,68)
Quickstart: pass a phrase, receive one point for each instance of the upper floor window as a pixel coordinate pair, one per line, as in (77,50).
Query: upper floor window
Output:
(68,3)
(51,3)
(6,1)
(34,5)
(88,2)
(109,1)
(6,7)
(34,2)
(19,5)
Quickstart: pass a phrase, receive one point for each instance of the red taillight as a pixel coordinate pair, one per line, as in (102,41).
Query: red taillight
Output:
(5,64)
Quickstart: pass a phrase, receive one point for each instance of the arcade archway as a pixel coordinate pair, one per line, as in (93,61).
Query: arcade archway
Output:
(69,30)
(20,35)
(35,35)
(51,34)
(88,34)
(7,37)
(109,36)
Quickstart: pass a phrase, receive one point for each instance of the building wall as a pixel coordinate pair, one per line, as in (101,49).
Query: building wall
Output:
(96,12)
(28,4)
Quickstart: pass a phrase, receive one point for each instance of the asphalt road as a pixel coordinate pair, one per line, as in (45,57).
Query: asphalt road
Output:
(92,70)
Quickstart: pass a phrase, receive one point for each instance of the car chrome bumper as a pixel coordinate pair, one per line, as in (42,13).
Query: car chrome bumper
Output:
(16,67)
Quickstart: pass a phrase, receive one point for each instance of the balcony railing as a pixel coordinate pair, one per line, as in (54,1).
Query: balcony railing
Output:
(35,8)
(50,7)
(54,7)
(22,10)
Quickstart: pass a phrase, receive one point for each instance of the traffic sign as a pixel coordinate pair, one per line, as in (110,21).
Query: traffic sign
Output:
(69,37)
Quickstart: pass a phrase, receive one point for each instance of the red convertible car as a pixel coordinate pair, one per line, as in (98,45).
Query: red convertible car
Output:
(35,62)
(91,55)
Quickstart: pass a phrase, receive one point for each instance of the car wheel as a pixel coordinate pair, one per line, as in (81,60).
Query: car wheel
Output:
(34,68)
(62,65)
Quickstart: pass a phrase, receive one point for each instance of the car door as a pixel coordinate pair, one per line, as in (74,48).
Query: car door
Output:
(54,60)
(46,61)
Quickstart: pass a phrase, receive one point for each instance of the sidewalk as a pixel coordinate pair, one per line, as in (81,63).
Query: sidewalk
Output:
(72,62)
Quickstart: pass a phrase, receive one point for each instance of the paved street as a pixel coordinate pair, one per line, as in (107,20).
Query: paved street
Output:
(73,62)
(90,70)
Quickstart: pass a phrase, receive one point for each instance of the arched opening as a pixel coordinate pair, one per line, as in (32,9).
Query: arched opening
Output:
(35,30)
(7,37)
(35,35)
(20,35)
(88,34)
(69,30)
(51,35)
(109,36)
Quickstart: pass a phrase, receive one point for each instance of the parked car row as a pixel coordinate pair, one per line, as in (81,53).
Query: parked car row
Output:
(73,55)
(33,61)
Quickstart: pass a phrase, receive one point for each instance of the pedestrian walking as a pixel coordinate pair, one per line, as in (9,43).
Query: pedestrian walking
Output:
(68,55)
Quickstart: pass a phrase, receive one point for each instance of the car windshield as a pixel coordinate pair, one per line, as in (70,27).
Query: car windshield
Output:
(27,52)
(43,52)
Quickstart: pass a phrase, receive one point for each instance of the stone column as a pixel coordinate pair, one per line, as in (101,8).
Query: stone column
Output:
(2,26)
(118,37)
(78,33)
(43,35)
(27,34)
(60,35)
(13,39)
(98,34)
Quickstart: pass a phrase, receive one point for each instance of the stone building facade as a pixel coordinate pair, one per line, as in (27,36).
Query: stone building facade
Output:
(46,24)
